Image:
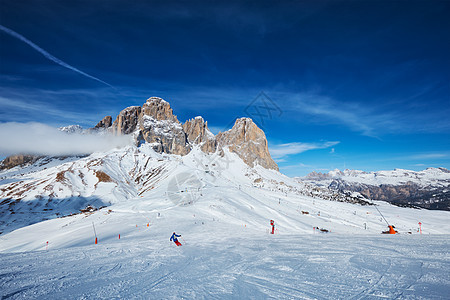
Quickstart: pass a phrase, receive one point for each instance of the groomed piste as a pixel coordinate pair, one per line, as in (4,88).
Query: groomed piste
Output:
(320,249)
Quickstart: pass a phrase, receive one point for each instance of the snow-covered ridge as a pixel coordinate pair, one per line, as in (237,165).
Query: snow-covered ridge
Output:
(220,192)
(429,176)
(429,188)
(72,129)
(55,187)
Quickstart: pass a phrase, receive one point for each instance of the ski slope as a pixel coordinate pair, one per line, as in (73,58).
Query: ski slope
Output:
(222,208)
(137,184)
(235,265)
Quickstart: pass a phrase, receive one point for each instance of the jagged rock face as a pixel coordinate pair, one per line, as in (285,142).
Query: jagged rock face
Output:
(17,160)
(198,133)
(158,109)
(105,123)
(249,142)
(156,124)
(162,129)
(127,120)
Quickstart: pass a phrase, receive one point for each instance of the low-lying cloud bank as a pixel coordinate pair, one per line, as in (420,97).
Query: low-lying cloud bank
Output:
(41,139)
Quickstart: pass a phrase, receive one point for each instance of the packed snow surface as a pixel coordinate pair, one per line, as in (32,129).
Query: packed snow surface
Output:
(234,265)
(321,249)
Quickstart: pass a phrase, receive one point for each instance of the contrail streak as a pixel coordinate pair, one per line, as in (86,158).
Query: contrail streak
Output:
(48,55)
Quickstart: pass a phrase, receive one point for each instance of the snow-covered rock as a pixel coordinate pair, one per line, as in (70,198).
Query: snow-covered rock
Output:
(198,134)
(72,129)
(429,188)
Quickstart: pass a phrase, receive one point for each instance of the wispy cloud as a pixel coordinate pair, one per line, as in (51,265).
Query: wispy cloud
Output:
(417,157)
(368,118)
(429,156)
(40,139)
(61,107)
(20,110)
(282,150)
(297,166)
(357,117)
(48,55)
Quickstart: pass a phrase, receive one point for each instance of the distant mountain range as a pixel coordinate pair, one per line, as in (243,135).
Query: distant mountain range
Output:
(429,188)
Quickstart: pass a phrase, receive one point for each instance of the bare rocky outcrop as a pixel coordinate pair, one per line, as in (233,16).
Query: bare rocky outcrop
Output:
(158,109)
(127,120)
(105,123)
(17,160)
(156,124)
(198,133)
(249,142)
(160,127)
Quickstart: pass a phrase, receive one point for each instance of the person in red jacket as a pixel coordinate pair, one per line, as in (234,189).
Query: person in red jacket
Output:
(174,238)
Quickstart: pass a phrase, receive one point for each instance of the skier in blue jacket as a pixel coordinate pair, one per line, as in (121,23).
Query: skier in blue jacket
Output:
(174,238)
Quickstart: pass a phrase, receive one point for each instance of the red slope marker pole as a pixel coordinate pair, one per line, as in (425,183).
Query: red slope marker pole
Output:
(420,227)
(95,234)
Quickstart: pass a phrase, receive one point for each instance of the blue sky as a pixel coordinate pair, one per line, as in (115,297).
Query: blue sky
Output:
(346,84)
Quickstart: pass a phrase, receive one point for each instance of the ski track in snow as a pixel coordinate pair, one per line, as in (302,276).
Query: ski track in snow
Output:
(249,266)
(223,212)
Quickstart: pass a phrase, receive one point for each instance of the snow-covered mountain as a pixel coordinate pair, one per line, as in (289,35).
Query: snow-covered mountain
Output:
(429,188)
(182,170)
(57,187)
(72,129)
(102,222)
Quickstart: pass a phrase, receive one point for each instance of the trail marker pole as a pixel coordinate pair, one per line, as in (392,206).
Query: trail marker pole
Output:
(46,246)
(95,233)
(420,227)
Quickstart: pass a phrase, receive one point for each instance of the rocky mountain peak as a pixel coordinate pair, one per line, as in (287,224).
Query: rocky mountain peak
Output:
(105,123)
(156,124)
(248,141)
(127,120)
(198,133)
(158,109)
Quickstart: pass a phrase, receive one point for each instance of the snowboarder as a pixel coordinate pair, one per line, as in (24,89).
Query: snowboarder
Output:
(174,238)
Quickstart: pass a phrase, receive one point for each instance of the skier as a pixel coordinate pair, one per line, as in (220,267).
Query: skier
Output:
(174,238)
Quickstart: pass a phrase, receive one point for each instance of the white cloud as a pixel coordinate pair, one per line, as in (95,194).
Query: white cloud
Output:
(37,107)
(297,166)
(279,151)
(429,156)
(41,139)
(353,115)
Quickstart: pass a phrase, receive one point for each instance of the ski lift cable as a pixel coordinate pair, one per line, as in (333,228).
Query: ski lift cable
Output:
(380,213)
